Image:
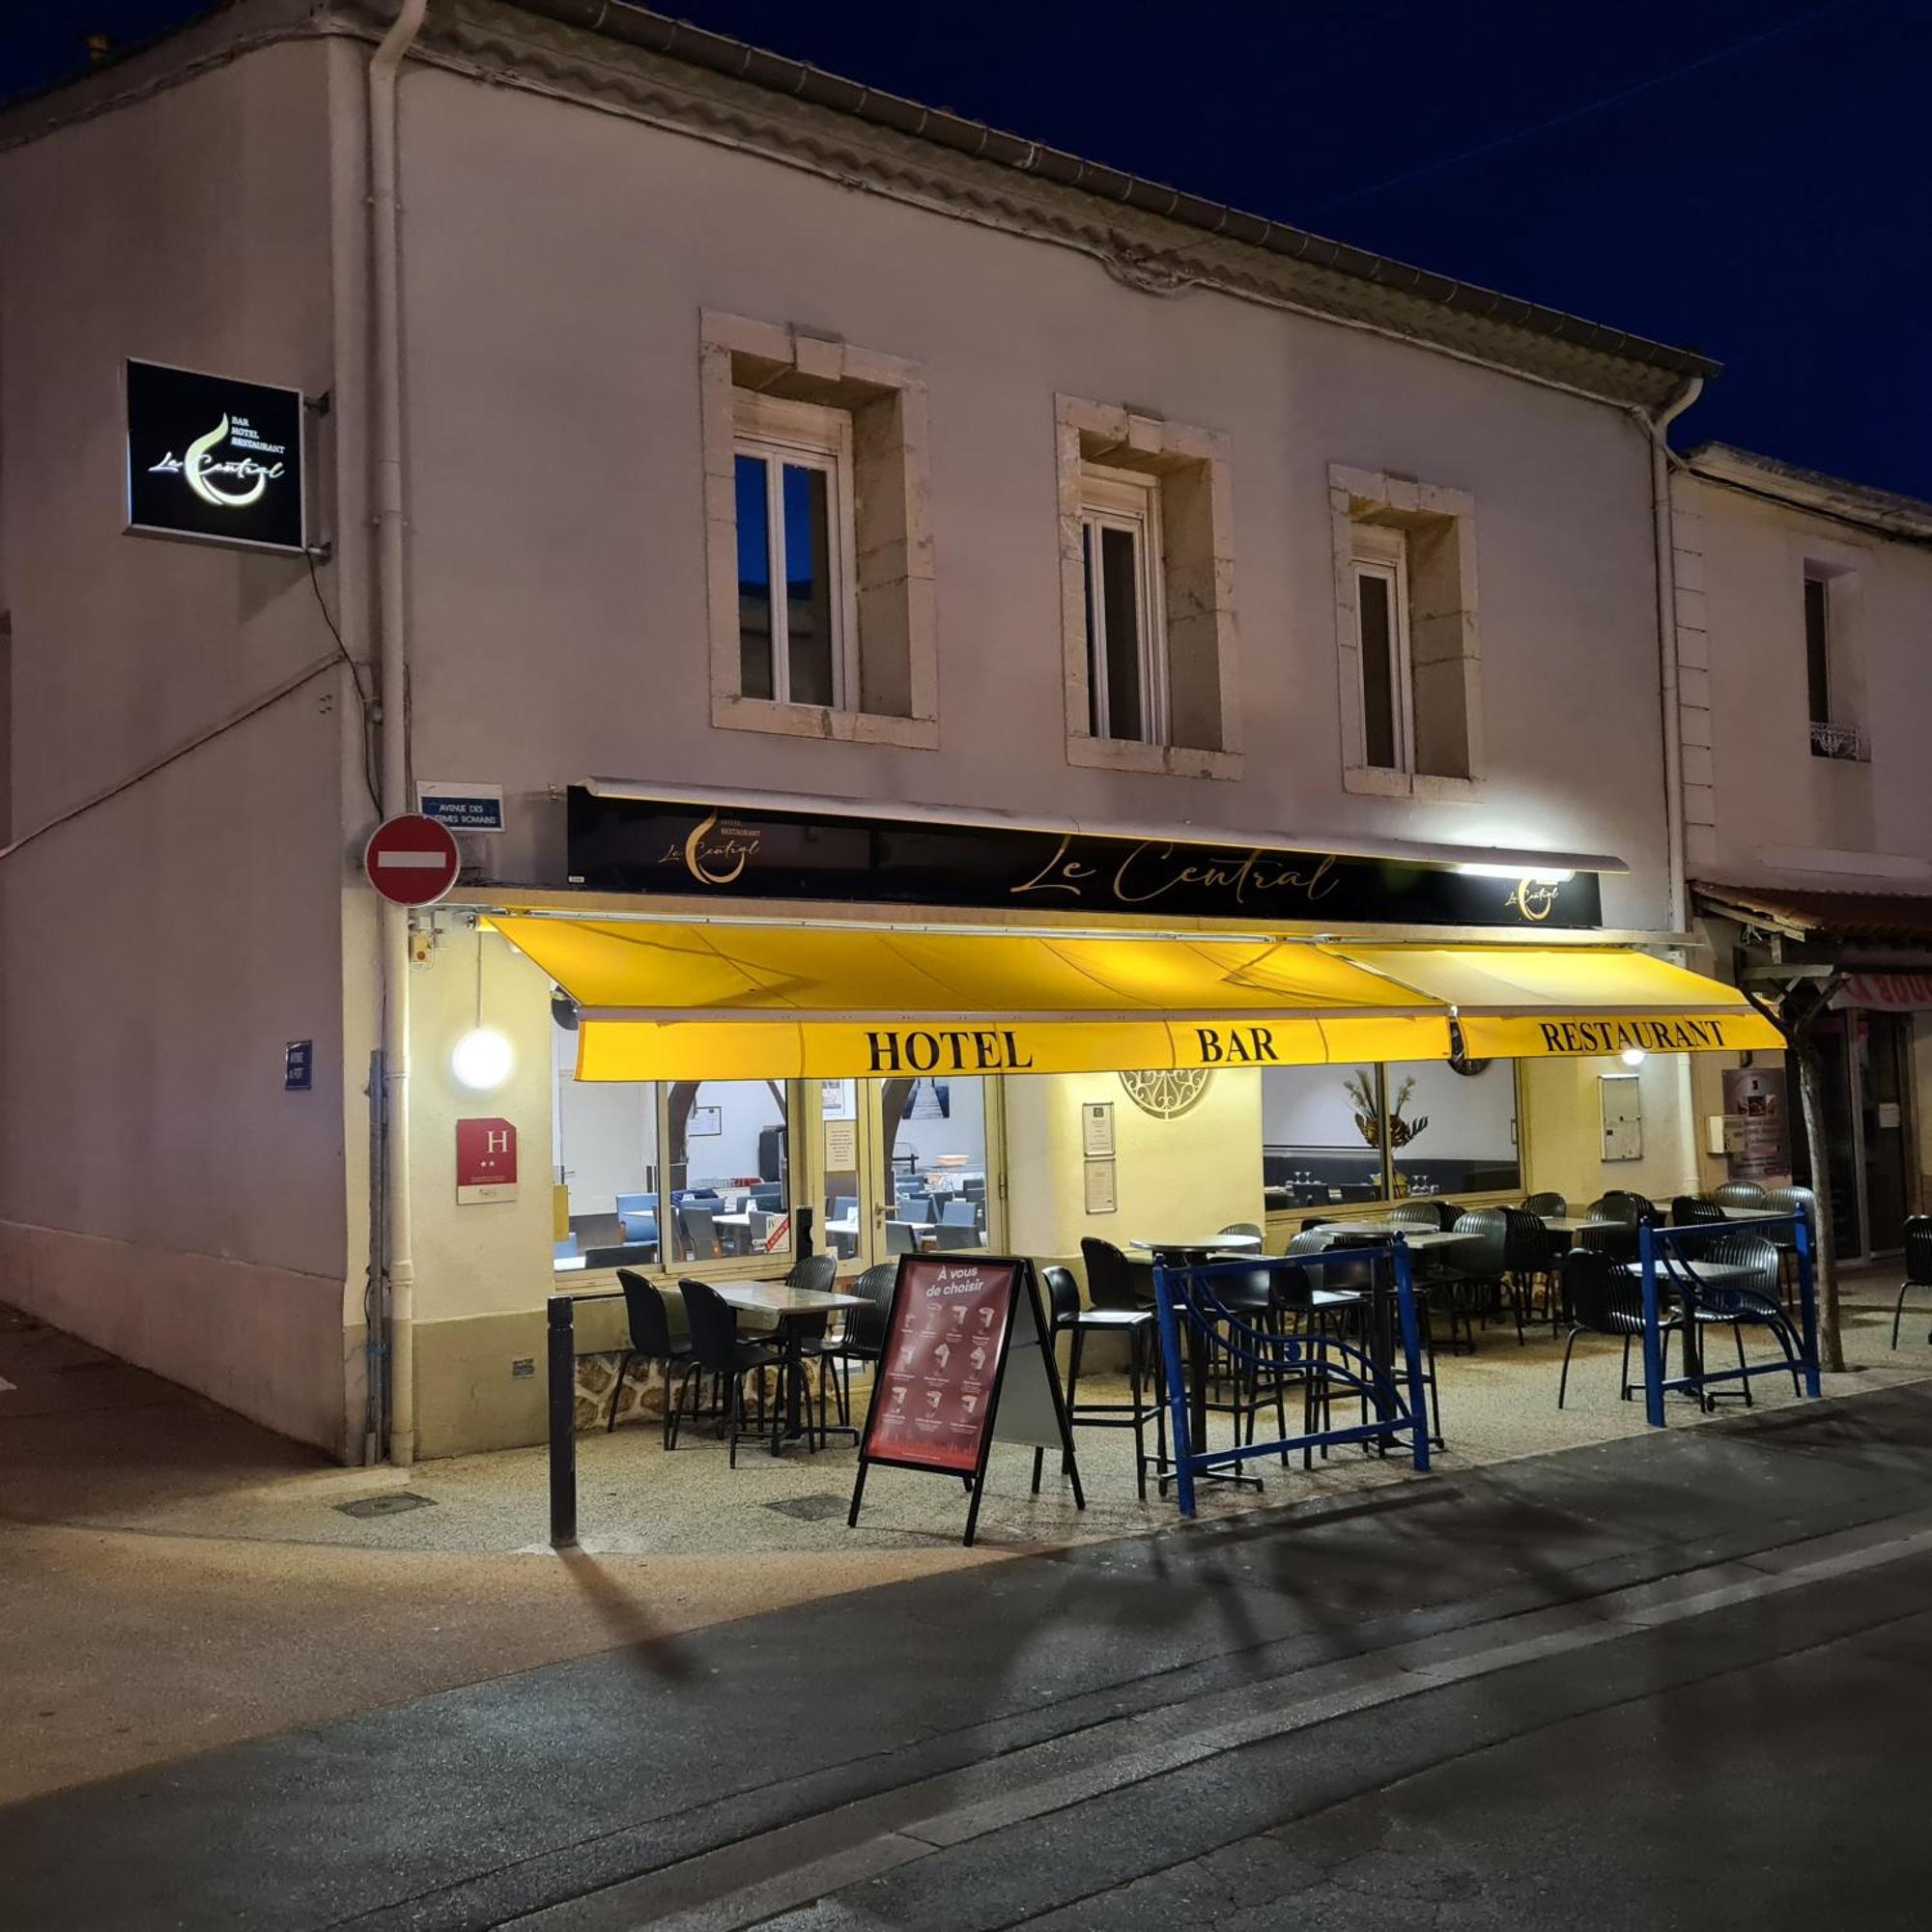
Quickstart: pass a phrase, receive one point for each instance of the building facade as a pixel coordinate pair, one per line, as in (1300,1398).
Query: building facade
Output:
(1805,608)
(787,498)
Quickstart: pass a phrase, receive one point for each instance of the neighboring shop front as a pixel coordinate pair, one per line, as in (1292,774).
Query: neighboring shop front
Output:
(968,1035)
(1871,953)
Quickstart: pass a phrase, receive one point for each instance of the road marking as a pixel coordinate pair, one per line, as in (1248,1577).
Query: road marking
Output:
(813,1857)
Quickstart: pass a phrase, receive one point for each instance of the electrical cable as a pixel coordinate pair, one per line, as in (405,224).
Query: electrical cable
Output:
(254,710)
(363,701)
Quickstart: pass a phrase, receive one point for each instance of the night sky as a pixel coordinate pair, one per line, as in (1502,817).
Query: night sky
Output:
(1747,177)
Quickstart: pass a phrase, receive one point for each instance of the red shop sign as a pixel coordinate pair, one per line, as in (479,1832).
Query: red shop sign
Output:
(486,1161)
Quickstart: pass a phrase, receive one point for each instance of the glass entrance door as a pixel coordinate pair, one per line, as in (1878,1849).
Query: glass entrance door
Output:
(911,1166)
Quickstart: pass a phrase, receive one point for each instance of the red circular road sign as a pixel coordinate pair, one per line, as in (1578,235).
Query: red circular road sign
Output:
(410,859)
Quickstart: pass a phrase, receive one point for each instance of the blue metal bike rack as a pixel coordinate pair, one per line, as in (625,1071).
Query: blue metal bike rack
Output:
(1663,1254)
(1185,1296)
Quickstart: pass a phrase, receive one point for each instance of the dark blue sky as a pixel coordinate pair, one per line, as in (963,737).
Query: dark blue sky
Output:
(1752,183)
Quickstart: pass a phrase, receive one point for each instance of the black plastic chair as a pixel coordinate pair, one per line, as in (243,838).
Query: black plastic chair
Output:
(1603,1300)
(1692,1210)
(651,1341)
(1545,1205)
(863,1339)
(1739,1194)
(1482,1262)
(1755,1303)
(818,1274)
(717,1349)
(1917,1266)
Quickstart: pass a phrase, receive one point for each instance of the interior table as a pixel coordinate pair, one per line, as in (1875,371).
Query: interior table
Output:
(789,1305)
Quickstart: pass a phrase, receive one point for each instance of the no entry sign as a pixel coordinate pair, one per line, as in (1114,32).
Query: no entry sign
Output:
(411,859)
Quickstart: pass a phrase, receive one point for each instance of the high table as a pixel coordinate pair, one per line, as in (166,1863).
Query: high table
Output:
(789,1305)
(1217,1244)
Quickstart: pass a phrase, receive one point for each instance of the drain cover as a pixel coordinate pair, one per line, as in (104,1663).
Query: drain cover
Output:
(812,1509)
(393,1504)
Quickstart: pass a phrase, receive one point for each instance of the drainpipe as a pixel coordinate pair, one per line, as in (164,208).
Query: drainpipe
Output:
(386,439)
(1679,907)
(1666,644)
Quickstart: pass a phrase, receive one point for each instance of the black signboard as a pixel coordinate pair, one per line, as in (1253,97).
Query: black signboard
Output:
(645,845)
(213,460)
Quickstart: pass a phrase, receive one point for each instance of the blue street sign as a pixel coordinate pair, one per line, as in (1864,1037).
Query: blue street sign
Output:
(461,806)
(298,1066)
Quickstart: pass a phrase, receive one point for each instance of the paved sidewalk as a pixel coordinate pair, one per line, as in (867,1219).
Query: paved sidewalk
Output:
(787,1736)
(173,1579)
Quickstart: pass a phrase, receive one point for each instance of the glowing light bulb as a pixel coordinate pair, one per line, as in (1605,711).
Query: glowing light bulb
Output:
(482,1059)
(1632,1056)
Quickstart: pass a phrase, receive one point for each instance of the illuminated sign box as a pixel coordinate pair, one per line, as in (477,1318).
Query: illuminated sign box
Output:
(210,460)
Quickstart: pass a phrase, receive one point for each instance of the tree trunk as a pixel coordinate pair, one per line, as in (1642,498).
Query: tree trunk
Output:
(1825,1258)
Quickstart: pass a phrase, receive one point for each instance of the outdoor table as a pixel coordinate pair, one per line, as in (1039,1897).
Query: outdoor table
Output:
(1572,1224)
(787,1304)
(1216,1244)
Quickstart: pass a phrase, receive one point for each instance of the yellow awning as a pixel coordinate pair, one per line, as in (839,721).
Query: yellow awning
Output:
(1528,1002)
(665,1002)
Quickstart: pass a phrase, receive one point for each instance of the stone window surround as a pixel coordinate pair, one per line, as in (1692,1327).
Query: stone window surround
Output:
(1375,497)
(1199,581)
(894,539)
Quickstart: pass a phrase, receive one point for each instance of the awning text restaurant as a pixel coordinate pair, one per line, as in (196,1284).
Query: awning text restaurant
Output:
(971,1034)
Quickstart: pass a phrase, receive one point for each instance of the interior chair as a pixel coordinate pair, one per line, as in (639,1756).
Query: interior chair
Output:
(960,1212)
(1112,1307)
(700,1232)
(901,1238)
(952,1235)
(1603,1300)
(1917,1266)
(565,1250)
(718,1349)
(651,1340)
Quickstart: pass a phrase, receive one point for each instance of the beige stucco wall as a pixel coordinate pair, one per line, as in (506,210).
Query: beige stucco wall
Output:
(1761,808)
(558,507)
(1561,1128)
(159,1193)
(1175,1180)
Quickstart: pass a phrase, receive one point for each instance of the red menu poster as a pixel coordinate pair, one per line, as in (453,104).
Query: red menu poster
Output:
(938,1377)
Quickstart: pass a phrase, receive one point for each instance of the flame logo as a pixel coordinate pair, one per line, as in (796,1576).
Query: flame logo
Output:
(193,464)
(1534,900)
(693,854)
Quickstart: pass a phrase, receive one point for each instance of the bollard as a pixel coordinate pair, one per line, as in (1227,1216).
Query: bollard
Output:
(562,1369)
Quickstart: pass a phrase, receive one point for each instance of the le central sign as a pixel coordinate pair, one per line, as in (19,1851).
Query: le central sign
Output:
(213,460)
(647,845)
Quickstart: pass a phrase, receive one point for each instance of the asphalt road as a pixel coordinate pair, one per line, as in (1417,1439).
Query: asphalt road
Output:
(1674,1681)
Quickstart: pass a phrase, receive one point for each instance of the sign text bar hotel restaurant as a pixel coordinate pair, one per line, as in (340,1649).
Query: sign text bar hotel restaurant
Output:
(211,460)
(642,845)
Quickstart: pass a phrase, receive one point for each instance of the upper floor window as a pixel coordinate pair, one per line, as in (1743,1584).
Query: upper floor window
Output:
(818,546)
(1126,646)
(1406,622)
(1147,589)
(1829,674)
(1382,627)
(792,466)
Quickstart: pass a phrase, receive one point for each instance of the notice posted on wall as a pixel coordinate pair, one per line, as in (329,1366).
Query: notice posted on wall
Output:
(942,1363)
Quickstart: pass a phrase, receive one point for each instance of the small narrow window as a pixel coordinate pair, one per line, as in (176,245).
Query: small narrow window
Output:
(1818,648)
(1126,657)
(797,641)
(1381,621)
